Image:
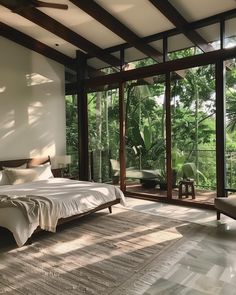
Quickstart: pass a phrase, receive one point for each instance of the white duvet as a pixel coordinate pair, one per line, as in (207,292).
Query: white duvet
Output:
(74,197)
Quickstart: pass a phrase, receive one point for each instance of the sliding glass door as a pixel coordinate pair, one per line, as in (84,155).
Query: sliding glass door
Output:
(145,136)
(194,131)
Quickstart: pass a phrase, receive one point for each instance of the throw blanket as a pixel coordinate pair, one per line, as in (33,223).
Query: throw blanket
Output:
(35,208)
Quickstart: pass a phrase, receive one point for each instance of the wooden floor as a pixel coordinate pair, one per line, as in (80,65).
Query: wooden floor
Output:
(202,196)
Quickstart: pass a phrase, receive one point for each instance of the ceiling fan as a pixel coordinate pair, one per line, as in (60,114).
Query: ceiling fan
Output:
(17,5)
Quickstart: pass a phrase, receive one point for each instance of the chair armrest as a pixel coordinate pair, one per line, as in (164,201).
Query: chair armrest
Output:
(131,168)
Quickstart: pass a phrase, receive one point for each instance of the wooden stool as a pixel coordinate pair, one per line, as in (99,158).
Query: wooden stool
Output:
(186,188)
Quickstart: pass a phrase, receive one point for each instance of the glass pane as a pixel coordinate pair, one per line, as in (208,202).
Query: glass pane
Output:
(136,59)
(103,115)
(193,130)
(230,33)
(72,133)
(145,136)
(230,94)
(211,35)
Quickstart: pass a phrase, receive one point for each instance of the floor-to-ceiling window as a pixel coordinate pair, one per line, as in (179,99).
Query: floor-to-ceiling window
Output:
(194,130)
(145,136)
(230,99)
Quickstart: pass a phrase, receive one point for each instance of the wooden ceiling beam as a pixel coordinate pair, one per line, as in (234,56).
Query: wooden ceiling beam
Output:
(104,17)
(213,19)
(71,87)
(172,14)
(162,68)
(43,20)
(172,32)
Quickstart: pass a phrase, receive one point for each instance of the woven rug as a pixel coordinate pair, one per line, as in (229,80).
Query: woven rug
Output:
(120,253)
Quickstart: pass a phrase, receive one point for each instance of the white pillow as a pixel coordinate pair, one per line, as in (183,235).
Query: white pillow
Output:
(44,172)
(3,178)
(17,176)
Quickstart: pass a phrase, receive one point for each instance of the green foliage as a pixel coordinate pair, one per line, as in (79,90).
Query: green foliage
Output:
(189,170)
(147,137)
(72,133)
(231,98)
(193,121)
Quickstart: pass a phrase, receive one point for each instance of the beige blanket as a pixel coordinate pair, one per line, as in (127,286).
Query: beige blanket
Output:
(35,208)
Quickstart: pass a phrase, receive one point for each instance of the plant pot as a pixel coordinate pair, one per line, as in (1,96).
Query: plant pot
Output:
(148,183)
(163,186)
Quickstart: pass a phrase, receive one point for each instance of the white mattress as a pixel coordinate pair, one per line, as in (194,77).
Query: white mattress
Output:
(75,197)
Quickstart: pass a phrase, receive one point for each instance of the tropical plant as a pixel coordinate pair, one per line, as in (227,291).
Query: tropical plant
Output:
(189,170)
(193,121)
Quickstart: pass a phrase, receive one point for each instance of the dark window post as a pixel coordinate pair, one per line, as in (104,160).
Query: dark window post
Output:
(168,136)
(122,127)
(220,127)
(165,48)
(82,111)
(222,34)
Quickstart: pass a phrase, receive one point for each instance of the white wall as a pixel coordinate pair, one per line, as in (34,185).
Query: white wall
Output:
(32,103)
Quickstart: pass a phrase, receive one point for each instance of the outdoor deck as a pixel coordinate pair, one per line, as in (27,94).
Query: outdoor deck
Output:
(202,196)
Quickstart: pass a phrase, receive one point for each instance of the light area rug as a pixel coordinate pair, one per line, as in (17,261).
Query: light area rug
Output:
(120,253)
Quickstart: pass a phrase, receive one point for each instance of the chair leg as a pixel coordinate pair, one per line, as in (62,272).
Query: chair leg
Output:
(110,209)
(180,191)
(218,215)
(193,192)
(186,190)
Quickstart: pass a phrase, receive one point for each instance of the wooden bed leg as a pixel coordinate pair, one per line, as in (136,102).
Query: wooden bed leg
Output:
(110,209)
(218,215)
(29,241)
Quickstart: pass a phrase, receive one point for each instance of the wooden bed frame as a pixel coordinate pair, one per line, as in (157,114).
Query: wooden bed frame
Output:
(29,163)
(39,161)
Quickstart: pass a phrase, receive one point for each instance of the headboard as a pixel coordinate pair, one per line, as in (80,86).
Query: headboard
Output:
(29,162)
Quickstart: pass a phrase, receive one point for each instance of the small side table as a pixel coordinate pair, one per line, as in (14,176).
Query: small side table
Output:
(186,188)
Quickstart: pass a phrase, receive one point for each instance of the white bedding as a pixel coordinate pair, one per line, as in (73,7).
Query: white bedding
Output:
(74,197)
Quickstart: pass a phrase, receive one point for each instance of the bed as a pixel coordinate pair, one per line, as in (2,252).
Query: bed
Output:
(45,201)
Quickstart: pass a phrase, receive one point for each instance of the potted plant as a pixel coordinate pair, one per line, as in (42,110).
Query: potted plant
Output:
(163,180)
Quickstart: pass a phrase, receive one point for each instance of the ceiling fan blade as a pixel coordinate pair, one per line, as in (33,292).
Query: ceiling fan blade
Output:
(50,5)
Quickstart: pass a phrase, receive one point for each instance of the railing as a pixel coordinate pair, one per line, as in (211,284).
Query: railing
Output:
(205,161)
(207,165)
(100,167)
(231,169)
